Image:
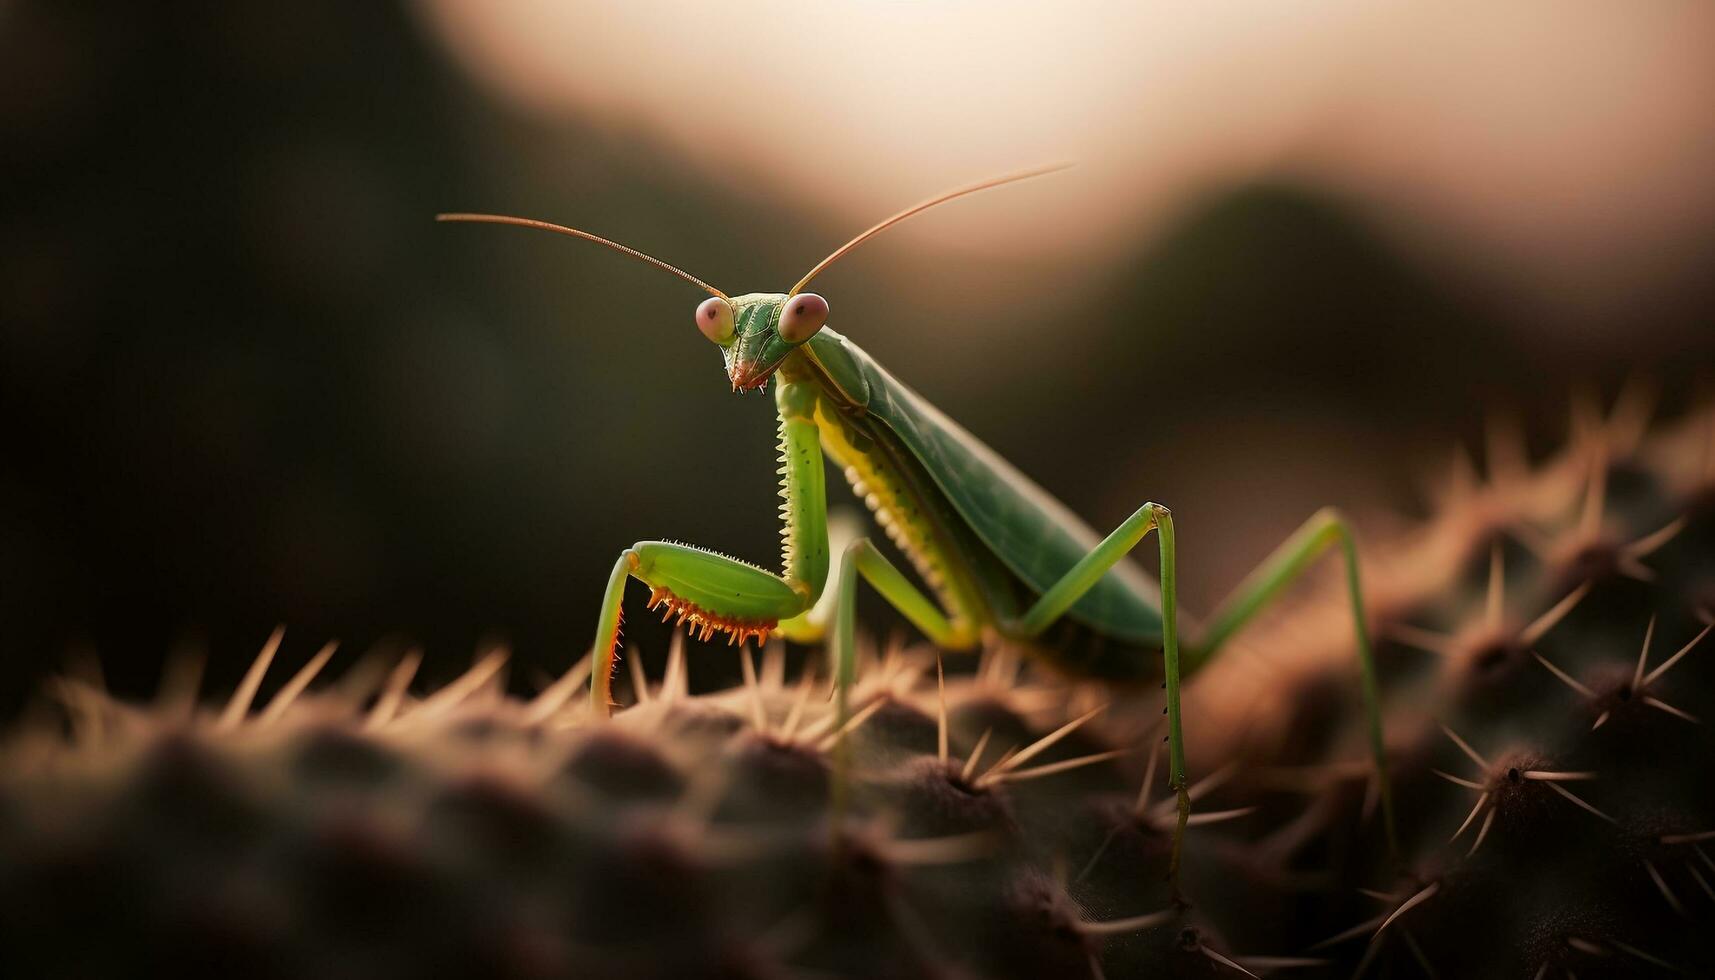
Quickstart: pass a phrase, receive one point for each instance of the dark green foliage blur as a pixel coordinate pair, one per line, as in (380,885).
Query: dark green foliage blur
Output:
(246,380)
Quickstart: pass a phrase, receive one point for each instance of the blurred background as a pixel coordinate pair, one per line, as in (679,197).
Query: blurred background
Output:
(1308,249)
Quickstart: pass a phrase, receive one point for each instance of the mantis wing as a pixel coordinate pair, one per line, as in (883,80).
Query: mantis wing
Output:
(1034,535)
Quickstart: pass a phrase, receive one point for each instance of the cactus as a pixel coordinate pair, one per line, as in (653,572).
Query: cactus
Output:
(738,833)
(996,821)
(1547,686)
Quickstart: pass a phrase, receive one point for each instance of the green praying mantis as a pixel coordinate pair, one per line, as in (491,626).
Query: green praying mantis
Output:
(997,553)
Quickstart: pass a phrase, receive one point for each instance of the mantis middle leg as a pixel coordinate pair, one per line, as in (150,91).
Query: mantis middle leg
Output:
(1080,579)
(861,558)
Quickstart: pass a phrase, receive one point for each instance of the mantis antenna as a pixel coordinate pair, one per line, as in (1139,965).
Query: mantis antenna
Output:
(889,222)
(501,219)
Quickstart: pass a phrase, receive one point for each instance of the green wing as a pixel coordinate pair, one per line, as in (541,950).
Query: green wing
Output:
(1033,534)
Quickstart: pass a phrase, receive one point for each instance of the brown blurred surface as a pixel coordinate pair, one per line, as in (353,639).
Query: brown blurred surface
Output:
(247,381)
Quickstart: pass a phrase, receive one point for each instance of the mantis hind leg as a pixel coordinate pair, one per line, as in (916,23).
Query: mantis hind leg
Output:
(1323,530)
(1279,570)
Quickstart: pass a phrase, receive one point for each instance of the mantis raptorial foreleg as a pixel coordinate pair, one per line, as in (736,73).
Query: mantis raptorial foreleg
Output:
(811,626)
(713,593)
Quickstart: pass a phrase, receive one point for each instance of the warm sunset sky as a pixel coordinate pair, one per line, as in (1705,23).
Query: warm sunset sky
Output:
(1575,158)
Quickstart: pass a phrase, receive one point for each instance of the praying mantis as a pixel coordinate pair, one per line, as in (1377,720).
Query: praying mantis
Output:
(997,553)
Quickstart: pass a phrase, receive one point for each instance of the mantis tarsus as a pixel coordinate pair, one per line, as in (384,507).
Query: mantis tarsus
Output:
(995,550)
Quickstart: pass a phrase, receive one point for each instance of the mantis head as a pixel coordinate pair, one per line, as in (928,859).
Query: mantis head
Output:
(757,331)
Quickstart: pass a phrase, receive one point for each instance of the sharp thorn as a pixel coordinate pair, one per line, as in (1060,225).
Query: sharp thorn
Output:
(1656,674)
(1688,838)
(1466,748)
(1643,656)
(1482,833)
(1043,743)
(1563,791)
(241,698)
(1564,676)
(1224,961)
(1136,923)
(1481,800)
(1661,886)
(1468,784)
(1418,899)
(296,686)
(1542,624)
(976,754)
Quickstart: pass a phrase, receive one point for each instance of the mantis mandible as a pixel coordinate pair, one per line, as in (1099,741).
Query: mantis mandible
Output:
(996,552)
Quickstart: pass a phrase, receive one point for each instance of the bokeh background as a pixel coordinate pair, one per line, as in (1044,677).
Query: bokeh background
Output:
(1308,250)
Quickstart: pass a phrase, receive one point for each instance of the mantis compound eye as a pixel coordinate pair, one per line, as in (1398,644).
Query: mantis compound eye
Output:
(802,316)
(714,319)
